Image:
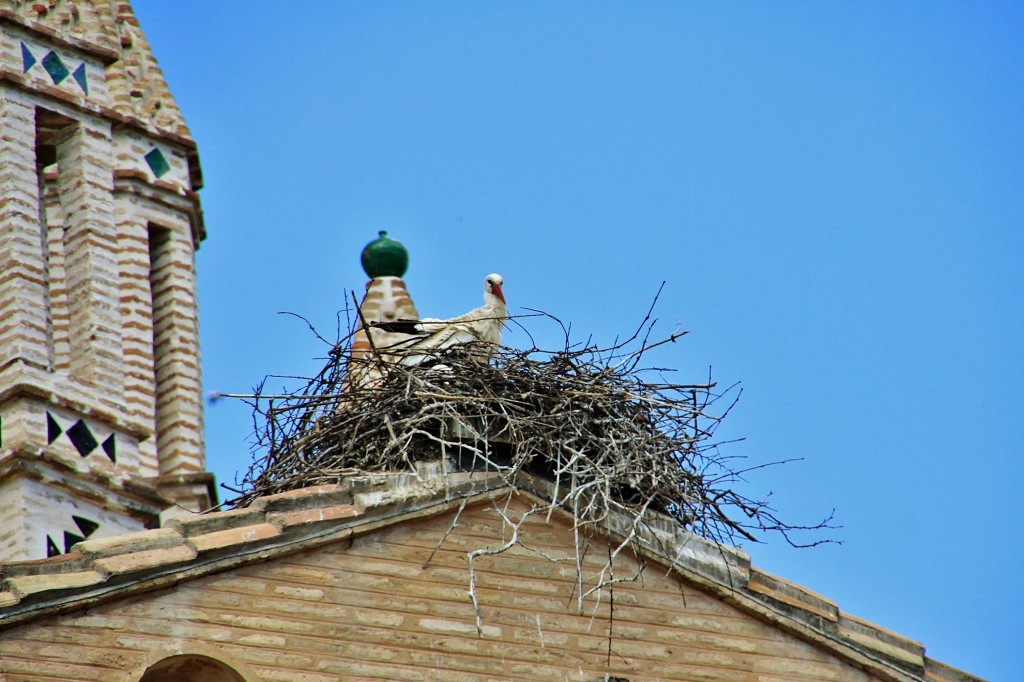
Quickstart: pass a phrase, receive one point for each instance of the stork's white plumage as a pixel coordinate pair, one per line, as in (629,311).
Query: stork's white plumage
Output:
(429,336)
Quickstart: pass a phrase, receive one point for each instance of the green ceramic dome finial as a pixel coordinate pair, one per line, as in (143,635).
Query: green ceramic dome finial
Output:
(385,257)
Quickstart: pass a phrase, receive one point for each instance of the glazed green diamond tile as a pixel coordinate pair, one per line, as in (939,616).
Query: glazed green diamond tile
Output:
(55,67)
(157,163)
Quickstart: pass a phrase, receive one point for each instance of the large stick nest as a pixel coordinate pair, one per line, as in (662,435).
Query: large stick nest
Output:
(614,436)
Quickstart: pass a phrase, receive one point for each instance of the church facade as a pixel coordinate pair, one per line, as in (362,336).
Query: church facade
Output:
(109,572)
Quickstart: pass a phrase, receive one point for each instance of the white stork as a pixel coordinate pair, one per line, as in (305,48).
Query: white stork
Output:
(429,336)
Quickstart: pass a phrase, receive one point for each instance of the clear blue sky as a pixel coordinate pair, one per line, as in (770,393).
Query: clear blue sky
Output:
(833,193)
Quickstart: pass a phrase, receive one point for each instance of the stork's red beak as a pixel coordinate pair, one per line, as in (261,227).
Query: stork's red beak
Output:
(496,290)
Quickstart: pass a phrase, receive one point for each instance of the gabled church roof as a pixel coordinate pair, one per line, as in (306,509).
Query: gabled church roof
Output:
(109,30)
(98,571)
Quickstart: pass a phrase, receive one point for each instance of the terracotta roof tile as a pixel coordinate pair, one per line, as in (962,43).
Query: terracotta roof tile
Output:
(140,561)
(788,593)
(30,584)
(304,498)
(881,640)
(130,543)
(319,515)
(202,524)
(62,563)
(233,536)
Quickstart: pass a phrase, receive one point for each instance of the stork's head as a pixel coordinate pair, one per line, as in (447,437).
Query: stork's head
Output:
(492,287)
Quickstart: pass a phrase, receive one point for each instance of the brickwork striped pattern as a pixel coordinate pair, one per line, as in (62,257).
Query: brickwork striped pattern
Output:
(98,312)
(24,334)
(86,182)
(179,417)
(160,331)
(53,224)
(13,508)
(386,300)
(136,312)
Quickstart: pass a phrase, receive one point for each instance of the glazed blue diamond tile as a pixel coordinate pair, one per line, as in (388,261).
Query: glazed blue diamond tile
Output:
(55,67)
(85,525)
(51,548)
(110,447)
(82,438)
(53,429)
(70,540)
(28,60)
(157,162)
(80,78)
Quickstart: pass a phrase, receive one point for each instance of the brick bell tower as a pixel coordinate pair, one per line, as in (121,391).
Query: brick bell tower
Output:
(101,413)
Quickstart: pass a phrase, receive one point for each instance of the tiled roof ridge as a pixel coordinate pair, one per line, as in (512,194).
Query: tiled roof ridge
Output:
(108,568)
(109,28)
(102,568)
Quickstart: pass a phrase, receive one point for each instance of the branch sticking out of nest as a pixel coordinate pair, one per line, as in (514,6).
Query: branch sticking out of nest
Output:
(589,419)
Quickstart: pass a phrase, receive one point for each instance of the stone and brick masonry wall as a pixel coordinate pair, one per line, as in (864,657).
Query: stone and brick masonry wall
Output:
(368,608)
(99,356)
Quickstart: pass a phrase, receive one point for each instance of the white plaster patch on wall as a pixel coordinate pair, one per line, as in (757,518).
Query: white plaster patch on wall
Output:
(159,161)
(84,443)
(55,520)
(13,516)
(87,437)
(52,66)
(12,428)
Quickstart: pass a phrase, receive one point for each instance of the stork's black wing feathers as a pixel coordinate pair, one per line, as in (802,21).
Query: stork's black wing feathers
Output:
(411,327)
